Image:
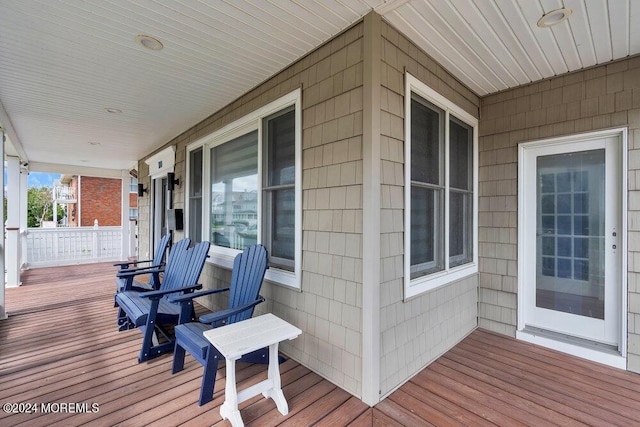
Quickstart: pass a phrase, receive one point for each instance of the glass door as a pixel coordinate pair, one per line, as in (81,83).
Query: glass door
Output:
(572,216)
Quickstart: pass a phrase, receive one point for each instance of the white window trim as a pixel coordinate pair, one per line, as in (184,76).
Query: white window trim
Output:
(223,257)
(433,281)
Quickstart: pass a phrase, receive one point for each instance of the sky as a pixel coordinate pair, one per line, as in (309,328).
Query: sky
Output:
(37,179)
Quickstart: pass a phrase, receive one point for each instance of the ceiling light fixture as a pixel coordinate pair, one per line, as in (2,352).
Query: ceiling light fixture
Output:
(554,17)
(149,42)
(113,110)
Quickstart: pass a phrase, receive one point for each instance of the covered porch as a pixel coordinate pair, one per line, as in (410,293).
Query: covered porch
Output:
(61,345)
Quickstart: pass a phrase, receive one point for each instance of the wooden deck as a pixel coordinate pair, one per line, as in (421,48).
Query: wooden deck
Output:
(60,344)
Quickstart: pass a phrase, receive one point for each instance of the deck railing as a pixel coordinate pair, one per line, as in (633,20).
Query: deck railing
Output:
(73,245)
(64,194)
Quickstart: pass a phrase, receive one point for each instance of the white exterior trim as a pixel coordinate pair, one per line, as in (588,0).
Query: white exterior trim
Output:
(162,162)
(616,360)
(371,352)
(430,282)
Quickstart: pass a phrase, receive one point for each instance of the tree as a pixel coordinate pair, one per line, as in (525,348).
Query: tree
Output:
(40,206)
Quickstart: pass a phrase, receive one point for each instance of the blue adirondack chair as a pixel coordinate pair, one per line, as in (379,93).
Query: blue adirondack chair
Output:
(152,312)
(126,276)
(249,269)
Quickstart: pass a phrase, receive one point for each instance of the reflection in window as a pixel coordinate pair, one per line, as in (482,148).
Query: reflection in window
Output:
(234,192)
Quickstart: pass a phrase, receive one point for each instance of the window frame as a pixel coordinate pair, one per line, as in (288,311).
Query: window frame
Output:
(429,282)
(221,256)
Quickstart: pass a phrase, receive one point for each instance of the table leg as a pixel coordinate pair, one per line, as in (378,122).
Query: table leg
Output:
(229,409)
(275,392)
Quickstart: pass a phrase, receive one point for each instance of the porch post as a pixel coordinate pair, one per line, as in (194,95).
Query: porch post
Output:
(124,244)
(3,311)
(13,252)
(24,176)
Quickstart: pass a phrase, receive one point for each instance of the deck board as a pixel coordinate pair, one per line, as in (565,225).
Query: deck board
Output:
(61,344)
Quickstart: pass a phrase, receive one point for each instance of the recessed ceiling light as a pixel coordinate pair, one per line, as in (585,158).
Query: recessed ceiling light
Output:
(554,17)
(113,110)
(93,143)
(149,42)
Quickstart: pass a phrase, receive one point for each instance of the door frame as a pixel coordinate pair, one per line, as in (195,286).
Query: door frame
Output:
(575,347)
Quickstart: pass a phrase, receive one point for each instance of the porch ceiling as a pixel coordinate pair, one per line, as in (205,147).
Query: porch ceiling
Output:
(63,63)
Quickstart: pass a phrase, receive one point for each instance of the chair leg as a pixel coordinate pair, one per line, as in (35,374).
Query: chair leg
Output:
(178,359)
(209,376)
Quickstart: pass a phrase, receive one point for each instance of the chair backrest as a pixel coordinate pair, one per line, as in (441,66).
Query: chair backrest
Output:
(161,249)
(184,265)
(248,272)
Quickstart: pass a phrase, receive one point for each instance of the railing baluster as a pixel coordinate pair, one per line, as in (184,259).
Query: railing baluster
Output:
(73,245)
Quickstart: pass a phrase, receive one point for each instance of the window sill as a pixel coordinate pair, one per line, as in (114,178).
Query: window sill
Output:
(434,281)
(273,275)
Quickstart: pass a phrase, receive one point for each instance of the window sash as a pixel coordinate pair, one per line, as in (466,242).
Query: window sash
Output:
(195,194)
(460,254)
(279,189)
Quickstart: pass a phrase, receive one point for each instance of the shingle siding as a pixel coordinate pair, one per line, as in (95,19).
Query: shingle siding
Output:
(328,309)
(414,332)
(598,98)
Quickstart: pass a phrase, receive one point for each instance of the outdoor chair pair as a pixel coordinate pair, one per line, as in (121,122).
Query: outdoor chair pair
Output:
(168,312)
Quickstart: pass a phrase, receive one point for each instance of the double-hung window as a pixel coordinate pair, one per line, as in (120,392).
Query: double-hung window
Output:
(440,190)
(245,188)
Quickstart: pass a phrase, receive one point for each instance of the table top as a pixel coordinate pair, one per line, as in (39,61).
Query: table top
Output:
(237,339)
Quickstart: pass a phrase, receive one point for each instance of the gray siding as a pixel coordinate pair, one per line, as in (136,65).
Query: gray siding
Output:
(416,332)
(599,98)
(328,309)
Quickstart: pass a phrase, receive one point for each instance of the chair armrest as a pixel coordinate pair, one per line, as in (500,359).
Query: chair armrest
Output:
(160,294)
(130,272)
(223,314)
(187,297)
(125,265)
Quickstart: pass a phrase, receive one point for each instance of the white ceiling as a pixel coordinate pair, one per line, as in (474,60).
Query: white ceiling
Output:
(63,62)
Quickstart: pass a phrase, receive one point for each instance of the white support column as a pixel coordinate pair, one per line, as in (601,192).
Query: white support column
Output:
(3,311)
(126,224)
(13,252)
(24,176)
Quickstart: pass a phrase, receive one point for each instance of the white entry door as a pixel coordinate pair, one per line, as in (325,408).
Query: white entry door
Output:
(571,237)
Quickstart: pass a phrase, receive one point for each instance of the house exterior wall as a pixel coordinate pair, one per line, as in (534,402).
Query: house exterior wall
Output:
(417,331)
(328,307)
(598,98)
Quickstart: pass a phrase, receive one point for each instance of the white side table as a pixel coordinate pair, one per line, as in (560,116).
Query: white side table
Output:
(235,340)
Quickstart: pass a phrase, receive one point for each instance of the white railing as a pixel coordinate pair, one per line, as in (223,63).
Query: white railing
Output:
(64,194)
(48,247)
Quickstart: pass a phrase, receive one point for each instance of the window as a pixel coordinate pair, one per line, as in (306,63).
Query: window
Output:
(133,185)
(253,188)
(441,178)
(194,231)
(133,213)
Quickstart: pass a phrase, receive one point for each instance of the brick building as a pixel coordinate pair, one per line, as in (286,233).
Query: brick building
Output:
(97,198)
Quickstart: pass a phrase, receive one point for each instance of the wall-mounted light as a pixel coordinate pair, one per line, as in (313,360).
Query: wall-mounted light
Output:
(172,181)
(141,190)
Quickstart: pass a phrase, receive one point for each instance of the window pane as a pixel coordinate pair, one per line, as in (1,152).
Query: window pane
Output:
(234,192)
(460,228)
(460,155)
(195,173)
(283,224)
(426,136)
(195,195)
(280,133)
(426,231)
